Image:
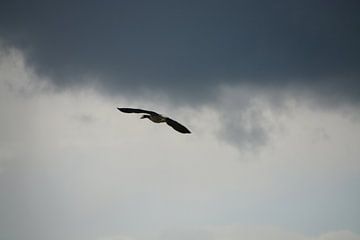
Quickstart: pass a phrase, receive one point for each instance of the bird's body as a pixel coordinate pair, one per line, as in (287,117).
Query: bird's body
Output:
(157,118)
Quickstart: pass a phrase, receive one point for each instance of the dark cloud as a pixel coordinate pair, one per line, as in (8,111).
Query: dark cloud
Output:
(189,47)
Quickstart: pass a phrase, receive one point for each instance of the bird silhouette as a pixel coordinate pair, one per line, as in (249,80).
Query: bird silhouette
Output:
(157,118)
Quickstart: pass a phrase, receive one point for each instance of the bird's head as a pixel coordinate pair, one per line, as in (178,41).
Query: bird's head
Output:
(144,116)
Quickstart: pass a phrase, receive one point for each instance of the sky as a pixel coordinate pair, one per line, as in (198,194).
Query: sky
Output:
(270,91)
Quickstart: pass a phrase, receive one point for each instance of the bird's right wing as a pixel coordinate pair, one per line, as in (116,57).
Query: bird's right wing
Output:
(177,126)
(135,110)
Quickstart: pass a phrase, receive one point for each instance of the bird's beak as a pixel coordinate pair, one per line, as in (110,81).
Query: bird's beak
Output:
(143,116)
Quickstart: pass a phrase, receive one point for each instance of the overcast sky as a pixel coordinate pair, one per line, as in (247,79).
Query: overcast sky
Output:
(270,91)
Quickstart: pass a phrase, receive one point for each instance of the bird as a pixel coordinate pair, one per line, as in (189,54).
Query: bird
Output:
(157,118)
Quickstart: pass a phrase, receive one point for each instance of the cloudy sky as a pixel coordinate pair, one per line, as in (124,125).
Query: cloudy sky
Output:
(269,89)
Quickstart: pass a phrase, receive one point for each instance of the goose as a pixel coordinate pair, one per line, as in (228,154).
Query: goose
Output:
(156,118)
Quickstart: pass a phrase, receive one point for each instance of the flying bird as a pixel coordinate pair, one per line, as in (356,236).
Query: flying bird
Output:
(157,118)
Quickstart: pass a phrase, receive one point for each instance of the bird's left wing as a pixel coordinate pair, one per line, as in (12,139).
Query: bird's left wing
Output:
(177,126)
(136,110)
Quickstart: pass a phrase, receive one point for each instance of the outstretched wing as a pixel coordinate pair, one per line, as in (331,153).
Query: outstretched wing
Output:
(135,110)
(177,126)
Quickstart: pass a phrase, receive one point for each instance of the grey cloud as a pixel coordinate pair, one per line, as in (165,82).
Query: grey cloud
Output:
(188,48)
(250,116)
(65,181)
(252,233)
(247,232)
(85,118)
(249,137)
